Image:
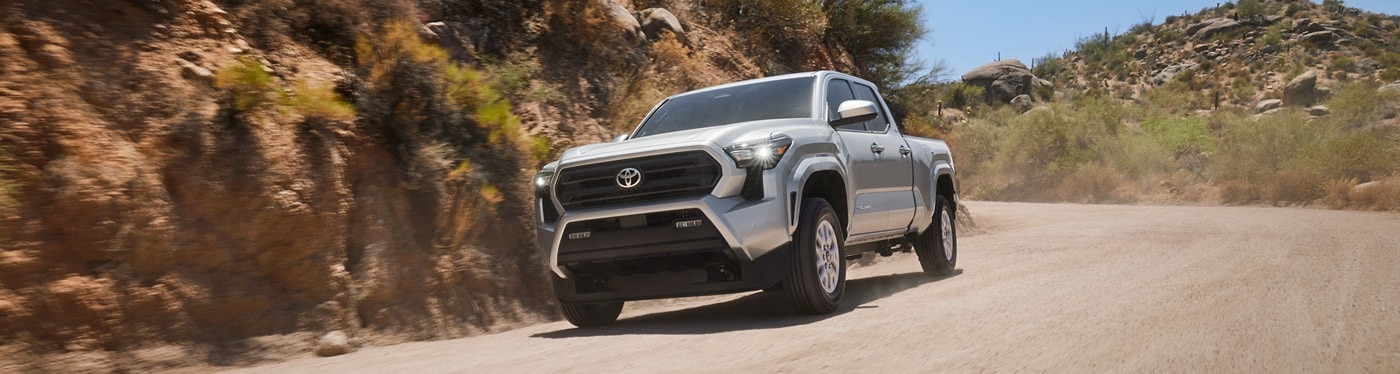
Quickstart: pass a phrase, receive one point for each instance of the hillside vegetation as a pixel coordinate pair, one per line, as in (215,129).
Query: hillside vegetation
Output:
(194,182)
(1272,102)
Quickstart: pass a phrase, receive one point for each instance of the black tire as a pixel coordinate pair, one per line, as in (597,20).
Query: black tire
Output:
(804,286)
(930,246)
(592,315)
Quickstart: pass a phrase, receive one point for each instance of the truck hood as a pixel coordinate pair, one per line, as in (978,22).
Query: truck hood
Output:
(720,136)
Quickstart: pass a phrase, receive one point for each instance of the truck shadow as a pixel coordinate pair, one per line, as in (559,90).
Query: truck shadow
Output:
(763,310)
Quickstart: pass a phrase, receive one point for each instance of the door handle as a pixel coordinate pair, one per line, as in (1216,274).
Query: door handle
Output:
(904,151)
(877,148)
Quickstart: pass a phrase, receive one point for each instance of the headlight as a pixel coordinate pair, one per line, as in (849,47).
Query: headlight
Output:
(764,154)
(542,182)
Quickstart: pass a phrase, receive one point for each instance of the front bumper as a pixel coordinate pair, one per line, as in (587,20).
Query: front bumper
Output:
(744,229)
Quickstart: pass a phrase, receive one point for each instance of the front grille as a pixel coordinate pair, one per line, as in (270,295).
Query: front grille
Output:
(662,177)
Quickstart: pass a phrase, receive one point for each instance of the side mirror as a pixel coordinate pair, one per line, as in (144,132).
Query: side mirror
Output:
(621,138)
(854,111)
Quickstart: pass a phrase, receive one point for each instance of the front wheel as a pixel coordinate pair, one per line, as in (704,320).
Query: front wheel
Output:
(816,282)
(937,247)
(592,315)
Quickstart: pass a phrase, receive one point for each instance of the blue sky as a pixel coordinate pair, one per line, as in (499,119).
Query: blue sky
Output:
(969,33)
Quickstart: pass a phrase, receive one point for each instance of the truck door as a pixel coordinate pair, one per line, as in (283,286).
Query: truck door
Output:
(863,165)
(895,163)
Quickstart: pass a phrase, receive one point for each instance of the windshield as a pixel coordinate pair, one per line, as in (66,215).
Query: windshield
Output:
(787,98)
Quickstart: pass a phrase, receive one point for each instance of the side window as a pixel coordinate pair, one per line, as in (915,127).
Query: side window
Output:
(881,122)
(838,91)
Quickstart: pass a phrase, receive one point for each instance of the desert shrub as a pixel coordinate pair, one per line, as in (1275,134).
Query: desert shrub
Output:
(319,101)
(517,77)
(330,26)
(1049,66)
(1249,9)
(1380,195)
(1255,152)
(1358,104)
(1335,6)
(1243,89)
(8,187)
(1180,135)
(1293,8)
(1336,191)
(1273,36)
(1391,74)
(1168,37)
(1365,155)
(1344,64)
(247,83)
(1092,183)
(1045,93)
(413,91)
(963,95)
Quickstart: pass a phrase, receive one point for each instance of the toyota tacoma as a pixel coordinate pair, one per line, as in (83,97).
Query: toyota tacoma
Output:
(765,184)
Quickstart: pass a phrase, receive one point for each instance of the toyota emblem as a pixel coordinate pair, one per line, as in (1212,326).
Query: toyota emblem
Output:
(629,177)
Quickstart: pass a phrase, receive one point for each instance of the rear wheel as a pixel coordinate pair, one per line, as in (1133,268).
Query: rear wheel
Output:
(591,315)
(816,283)
(937,247)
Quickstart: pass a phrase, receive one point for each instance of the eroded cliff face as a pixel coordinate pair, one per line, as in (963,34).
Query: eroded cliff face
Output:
(146,212)
(151,222)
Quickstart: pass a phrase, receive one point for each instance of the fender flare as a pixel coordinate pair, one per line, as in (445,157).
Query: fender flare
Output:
(803,170)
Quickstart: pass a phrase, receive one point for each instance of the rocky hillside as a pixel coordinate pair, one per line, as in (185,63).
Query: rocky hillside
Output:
(1260,102)
(1244,53)
(195,182)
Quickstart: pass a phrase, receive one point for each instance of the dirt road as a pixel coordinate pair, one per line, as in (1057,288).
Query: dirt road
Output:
(1048,287)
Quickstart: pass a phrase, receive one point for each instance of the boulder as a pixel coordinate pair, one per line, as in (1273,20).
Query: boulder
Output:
(448,39)
(1267,105)
(1393,88)
(1002,80)
(334,343)
(1305,25)
(623,19)
(1167,74)
(656,20)
(196,73)
(1301,91)
(1211,27)
(1368,65)
(1319,111)
(1022,103)
(1319,37)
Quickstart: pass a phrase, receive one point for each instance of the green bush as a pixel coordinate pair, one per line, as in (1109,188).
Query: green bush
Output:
(1344,63)
(880,35)
(1180,135)
(248,84)
(1249,9)
(319,101)
(963,95)
(1049,67)
(1359,104)
(413,90)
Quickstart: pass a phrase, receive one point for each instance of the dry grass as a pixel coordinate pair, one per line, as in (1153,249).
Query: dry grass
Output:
(1338,192)
(1376,195)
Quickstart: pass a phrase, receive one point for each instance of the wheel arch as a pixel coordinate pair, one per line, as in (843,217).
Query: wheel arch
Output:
(830,185)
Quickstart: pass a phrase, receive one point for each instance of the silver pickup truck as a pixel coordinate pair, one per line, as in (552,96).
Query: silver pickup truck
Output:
(763,184)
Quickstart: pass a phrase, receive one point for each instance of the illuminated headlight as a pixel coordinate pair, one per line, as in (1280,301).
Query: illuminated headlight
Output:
(764,154)
(542,182)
